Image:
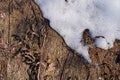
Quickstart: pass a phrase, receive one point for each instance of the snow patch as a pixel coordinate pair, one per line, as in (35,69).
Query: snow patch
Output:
(70,18)
(101,43)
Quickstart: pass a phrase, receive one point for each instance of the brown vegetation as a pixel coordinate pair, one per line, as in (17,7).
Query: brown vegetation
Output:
(31,50)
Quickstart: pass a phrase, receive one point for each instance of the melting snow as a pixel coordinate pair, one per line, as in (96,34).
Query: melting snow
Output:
(71,17)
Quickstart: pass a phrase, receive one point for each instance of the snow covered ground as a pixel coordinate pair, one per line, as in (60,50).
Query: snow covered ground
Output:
(71,17)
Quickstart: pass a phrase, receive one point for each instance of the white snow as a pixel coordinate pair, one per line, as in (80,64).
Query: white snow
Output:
(71,18)
(102,43)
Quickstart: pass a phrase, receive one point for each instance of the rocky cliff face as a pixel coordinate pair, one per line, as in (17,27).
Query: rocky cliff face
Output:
(32,50)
